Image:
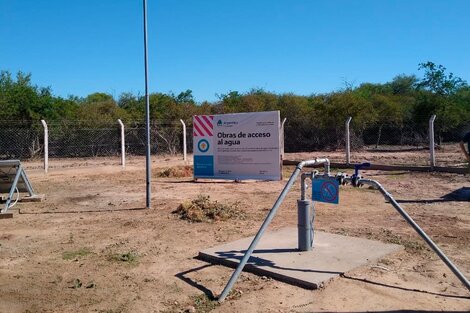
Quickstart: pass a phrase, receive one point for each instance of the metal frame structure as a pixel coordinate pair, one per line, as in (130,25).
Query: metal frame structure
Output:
(13,178)
(357,181)
(268,220)
(306,219)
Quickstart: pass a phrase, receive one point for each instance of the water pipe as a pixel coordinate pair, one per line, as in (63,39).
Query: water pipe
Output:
(268,220)
(358,181)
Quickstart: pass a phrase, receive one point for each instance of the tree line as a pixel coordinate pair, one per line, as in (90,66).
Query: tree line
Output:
(401,107)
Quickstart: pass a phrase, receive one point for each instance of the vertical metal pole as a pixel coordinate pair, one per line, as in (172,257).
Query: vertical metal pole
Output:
(348,141)
(123,145)
(282,137)
(431,141)
(147,112)
(311,215)
(304,226)
(46,146)
(184,140)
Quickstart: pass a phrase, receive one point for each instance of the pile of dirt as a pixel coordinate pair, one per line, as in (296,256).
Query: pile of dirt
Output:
(176,171)
(202,209)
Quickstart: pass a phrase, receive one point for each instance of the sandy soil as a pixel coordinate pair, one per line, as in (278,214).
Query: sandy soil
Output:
(445,155)
(91,247)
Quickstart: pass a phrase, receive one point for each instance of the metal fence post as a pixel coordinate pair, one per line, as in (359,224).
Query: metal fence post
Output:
(282,137)
(46,146)
(184,140)
(123,144)
(348,141)
(431,141)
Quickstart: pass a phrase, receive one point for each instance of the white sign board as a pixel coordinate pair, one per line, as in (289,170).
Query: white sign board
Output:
(237,146)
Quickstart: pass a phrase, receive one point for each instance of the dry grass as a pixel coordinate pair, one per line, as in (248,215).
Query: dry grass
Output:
(176,171)
(202,209)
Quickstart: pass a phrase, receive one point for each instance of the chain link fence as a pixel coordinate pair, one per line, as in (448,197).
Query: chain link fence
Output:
(390,144)
(77,139)
(448,151)
(381,144)
(329,141)
(73,139)
(85,140)
(387,144)
(21,140)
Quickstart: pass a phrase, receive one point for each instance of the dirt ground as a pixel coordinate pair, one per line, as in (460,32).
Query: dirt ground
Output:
(92,247)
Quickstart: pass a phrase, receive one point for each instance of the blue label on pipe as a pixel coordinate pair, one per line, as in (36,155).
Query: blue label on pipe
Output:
(325,190)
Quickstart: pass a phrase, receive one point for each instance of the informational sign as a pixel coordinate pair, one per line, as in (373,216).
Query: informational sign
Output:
(237,146)
(325,190)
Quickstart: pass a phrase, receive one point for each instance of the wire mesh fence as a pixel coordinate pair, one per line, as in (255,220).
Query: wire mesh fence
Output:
(87,139)
(20,140)
(75,139)
(448,151)
(391,145)
(380,144)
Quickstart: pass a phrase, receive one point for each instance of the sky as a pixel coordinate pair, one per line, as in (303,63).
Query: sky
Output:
(213,47)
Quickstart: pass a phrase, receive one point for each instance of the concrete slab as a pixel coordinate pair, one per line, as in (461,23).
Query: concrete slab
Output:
(33,198)
(277,256)
(6,215)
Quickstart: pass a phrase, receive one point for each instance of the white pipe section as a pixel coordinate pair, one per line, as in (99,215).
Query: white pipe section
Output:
(348,141)
(184,140)
(431,141)
(282,137)
(46,146)
(123,145)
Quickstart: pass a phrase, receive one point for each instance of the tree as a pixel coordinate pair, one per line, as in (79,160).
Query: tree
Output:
(403,84)
(437,81)
(438,96)
(389,113)
(99,108)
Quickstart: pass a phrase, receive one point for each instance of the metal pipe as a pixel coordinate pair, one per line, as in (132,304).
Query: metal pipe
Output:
(147,113)
(184,140)
(123,145)
(327,166)
(265,224)
(303,185)
(348,141)
(46,146)
(431,141)
(304,226)
(13,188)
(416,227)
(26,181)
(303,189)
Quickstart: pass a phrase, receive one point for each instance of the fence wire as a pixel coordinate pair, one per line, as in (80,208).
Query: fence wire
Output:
(69,140)
(381,144)
(20,140)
